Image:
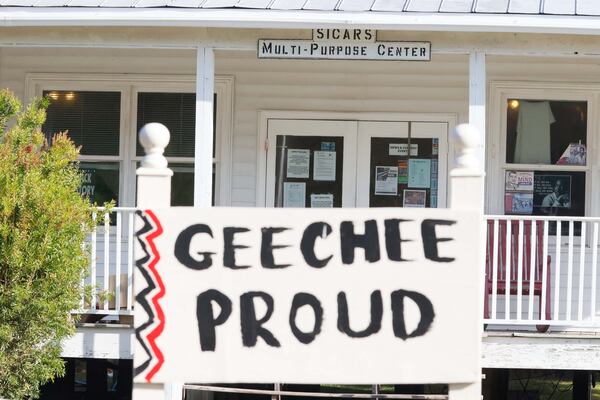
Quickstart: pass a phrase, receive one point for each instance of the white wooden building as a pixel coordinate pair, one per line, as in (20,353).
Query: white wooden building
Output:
(525,73)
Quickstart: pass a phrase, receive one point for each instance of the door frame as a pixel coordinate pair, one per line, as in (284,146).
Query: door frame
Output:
(265,115)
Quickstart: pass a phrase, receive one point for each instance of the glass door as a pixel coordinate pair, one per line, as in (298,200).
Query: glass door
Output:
(313,163)
(401,164)
(333,163)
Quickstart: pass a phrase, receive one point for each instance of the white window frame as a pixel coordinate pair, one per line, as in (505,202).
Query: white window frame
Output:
(500,92)
(129,85)
(37,87)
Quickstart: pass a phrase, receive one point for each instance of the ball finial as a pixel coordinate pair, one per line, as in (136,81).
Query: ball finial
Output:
(154,137)
(466,139)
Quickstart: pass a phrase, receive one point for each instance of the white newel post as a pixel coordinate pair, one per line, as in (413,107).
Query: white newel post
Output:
(467,192)
(154,190)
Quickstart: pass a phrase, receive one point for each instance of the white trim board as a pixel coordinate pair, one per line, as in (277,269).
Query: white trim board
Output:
(290,19)
(543,352)
(100,342)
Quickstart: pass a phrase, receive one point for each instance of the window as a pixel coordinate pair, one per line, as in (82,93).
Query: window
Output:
(544,167)
(92,120)
(177,111)
(103,114)
(546,132)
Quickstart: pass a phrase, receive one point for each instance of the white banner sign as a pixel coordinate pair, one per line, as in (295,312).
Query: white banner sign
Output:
(344,44)
(307,296)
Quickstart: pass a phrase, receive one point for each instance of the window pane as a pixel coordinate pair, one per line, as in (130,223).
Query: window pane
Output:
(100,182)
(92,119)
(546,132)
(182,184)
(391,184)
(80,384)
(309,171)
(177,111)
(548,193)
(112,375)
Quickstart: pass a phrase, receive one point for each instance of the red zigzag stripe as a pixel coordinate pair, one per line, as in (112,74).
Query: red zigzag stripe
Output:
(159,311)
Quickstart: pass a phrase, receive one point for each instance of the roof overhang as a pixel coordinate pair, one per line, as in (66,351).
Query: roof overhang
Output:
(294,19)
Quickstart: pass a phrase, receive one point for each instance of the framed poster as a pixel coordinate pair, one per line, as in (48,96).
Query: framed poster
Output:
(386,181)
(414,198)
(552,191)
(518,203)
(518,181)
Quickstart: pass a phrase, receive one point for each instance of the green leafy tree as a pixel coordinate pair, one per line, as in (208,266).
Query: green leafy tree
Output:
(43,223)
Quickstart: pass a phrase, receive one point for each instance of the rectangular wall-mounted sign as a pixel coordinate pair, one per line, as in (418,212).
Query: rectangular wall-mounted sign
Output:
(344,44)
(344,35)
(308,295)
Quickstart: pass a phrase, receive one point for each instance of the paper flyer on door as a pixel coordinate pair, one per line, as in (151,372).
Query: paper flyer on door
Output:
(298,163)
(386,181)
(321,200)
(419,173)
(294,194)
(324,167)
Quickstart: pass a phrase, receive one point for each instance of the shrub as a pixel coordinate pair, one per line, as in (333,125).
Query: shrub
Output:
(43,223)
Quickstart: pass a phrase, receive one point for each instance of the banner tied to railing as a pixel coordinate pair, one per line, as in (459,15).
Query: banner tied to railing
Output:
(307,295)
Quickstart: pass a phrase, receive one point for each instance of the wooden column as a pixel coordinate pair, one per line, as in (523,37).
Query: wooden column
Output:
(466,184)
(477,100)
(203,155)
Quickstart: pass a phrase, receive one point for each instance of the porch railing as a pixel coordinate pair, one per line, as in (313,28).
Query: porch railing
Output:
(109,282)
(541,271)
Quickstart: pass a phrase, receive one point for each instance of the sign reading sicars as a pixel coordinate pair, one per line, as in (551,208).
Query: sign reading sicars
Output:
(344,44)
(307,296)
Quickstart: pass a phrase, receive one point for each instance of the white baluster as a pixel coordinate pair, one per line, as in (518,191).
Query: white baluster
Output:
(581,272)
(545,276)
(557,268)
(532,266)
(106,258)
(495,272)
(93,263)
(570,272)
(118,263)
